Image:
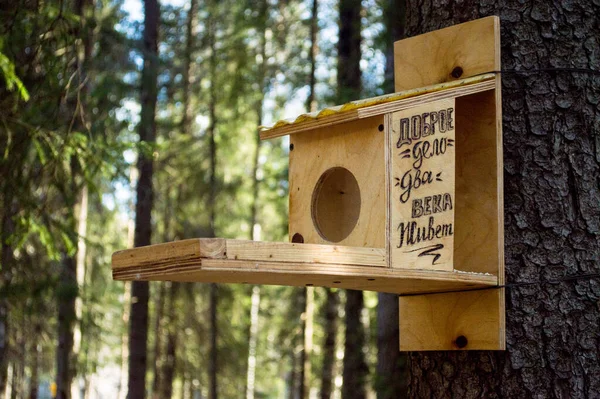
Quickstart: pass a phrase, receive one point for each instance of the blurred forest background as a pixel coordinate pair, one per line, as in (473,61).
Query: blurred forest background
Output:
(127,123)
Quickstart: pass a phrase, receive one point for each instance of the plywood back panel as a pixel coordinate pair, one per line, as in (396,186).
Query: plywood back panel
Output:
(477,240)
(459,51)
(317,161)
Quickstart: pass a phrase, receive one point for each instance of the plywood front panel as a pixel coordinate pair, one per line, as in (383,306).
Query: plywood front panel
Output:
(337,184)
(422,175)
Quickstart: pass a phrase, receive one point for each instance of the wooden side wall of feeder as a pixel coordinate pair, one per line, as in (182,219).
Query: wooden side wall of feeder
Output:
(463,320)
(333,165)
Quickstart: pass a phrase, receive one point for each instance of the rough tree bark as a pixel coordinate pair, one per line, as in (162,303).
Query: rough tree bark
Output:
(391,379)
(552,205)
(138,327)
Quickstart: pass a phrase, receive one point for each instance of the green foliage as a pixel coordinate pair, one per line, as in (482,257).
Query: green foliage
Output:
(69,123)
(10,77)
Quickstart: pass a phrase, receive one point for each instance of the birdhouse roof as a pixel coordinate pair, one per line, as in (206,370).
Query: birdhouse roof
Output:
(368,107)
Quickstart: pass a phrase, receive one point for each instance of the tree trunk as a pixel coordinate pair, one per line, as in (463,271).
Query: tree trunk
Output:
(348,67)
(168,370)
(552,205)
(391,380)
(69,333)
(211,23)
(156,369)
(355,371)
(395,19)
(392,375)
(291,383)
(331,317)
(349,87)
(138,331)
(66,292)
(252,341)
(307,344)
(213,341)
(311,101)
(35,349)
(187,70)
(7,263)
(123,378)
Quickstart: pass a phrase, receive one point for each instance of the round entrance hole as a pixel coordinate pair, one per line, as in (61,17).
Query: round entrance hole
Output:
(335,204)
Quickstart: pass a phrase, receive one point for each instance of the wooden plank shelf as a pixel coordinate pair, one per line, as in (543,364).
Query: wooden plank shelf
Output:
(238,261)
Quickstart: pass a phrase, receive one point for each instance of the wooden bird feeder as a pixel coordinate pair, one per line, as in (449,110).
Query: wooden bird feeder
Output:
(400,193)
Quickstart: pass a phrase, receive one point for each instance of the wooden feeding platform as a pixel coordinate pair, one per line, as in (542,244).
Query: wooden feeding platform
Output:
(400,193)
(249,262)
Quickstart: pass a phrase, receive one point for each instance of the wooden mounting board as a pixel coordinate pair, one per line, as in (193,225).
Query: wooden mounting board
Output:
(238,261)
(435,322)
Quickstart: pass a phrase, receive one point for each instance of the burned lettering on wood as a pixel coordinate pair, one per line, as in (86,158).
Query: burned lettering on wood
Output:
(422,157)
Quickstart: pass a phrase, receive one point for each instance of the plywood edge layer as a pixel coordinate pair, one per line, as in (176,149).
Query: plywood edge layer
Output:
(186,251)
(302,274)
(167,253)
(239,261)
(487,83)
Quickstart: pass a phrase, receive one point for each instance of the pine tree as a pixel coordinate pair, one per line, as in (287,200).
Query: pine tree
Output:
(138,332)
(551,199)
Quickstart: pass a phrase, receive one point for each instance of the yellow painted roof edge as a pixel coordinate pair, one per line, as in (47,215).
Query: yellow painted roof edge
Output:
(368,102)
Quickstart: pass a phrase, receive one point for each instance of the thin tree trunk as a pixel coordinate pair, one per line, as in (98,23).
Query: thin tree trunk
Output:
(349,87)
(311,101)
(391,381)
(308,292)
(213,366)
(254,227)
(35,349)
(123,376)
(187,70)
(331,322)
(395,17)
(254,309)
(80,274)
(355,371)
(552,206)
(68,287)
(292,375)
(7,262)
(392,376)
(122,392)
(213,341)
(67,292)
(307,344)
(169,364)
(156,364)
(262,27)
(138,332)
(348,67)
